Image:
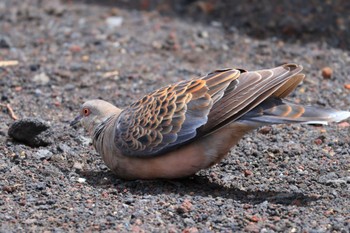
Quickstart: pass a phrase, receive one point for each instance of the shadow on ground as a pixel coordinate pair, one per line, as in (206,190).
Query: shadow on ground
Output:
(198,186)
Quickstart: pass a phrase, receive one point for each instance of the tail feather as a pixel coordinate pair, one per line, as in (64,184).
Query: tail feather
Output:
(278,111)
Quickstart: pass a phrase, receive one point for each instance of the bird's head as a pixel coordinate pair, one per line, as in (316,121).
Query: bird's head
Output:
(93,112)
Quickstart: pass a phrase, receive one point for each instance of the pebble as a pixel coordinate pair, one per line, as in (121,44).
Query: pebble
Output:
(78,166)
(75,48)
(336,183)
(41,78)
(85,141)
(326,177)
(265,129)
(63,148)
(343,124)
(114,21)
(327,72)
(247,173)
(43,154)
(81,180)
(5,43)
(33,132)
(203,34)
(185,207)
(34,67)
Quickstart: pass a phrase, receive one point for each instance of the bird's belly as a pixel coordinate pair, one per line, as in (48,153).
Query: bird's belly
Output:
(175,164)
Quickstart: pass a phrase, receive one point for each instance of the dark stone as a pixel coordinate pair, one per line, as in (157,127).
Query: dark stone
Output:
(34,67)
(33,132)
(5,43)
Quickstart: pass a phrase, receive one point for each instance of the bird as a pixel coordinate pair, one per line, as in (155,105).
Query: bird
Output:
(177,130)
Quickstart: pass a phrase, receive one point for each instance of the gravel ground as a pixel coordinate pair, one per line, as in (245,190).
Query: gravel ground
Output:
(288,178)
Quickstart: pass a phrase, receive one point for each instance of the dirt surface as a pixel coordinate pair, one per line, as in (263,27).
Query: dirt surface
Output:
(287,178)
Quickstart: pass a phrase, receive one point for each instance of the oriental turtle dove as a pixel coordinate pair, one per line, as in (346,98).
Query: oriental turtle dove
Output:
(177,130)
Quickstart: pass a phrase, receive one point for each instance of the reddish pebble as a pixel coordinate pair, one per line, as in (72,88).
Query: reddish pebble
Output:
(75,48)
(8,189)
(247,173)
(347,86)
(344,124)
(318,141)
(191,230)
(247,206)
(327,72)
(138,222)
(18,88)
(186,205)
(254,219)
(104,194)
(265,130)
(137,229)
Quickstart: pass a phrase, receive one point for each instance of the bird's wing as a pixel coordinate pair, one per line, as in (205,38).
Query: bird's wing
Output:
(177,114)
(251,89)
(170,116)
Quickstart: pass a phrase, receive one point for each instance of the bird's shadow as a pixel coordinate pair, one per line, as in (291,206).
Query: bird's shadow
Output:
(195,186)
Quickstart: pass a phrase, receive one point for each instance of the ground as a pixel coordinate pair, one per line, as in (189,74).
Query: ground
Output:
(285,178)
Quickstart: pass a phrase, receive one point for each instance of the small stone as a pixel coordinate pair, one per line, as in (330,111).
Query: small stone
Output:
(5,43)
(63,148)
(114,21)
(343,124)
(85,58)
(41,78)
(254,218)
(81,180)
(57,158)
(327,72)
(75,48)
(185,207)
(34,67)
(336,183)
(138,222)
(347,86)
(43,154)
(318,141)
(323,179)
(85,141)
(203,34)
(112,74)
(69,87)
(252,227)
(30,221)
(33,132)
(40,186)
(190,230)
(265,130)
(9,189)
(247,173)
(78,166)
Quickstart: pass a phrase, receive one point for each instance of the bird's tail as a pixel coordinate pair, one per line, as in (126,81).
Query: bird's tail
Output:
(278,111)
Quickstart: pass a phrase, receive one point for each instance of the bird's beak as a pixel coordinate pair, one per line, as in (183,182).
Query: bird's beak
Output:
(75,121)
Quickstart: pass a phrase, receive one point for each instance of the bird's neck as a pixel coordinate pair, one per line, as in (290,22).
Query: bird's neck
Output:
(99,130)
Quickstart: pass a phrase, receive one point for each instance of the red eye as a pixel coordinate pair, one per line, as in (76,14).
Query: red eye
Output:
(86,111)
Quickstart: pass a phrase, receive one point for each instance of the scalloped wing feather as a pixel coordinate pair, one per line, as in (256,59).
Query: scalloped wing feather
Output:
(171,116)
(179,113)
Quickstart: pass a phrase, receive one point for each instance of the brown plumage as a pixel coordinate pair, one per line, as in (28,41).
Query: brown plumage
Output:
(182,128)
